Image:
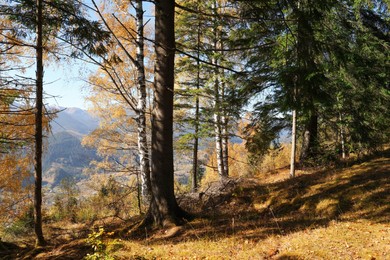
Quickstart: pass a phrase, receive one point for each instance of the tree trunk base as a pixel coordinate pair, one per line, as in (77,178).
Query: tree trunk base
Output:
(176,216)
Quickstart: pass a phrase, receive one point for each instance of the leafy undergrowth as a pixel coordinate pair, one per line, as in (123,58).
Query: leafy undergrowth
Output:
(337,213)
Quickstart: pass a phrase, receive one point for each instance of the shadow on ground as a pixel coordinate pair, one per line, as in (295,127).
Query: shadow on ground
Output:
(255,210)
(252,209)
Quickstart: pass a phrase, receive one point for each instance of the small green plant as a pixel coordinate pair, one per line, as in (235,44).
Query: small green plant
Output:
(95,239)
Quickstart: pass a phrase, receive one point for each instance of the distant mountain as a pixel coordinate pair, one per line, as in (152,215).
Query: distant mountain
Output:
(65,157)
(74,120)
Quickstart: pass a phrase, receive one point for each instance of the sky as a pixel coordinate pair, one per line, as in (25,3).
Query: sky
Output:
(64,85)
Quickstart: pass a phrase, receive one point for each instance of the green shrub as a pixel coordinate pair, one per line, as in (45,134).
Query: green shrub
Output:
(101,250)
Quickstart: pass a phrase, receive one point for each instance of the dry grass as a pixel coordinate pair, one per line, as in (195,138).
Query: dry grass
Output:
(326,214)
(338,240)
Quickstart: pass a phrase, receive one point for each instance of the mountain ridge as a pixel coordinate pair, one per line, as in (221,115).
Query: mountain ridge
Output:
(65,157)
(75,119)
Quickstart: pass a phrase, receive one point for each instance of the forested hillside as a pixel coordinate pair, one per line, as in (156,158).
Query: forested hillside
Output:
(64,156)
(74,120)
(242,118)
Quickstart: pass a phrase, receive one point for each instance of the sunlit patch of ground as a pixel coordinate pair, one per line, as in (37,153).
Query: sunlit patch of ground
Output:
(324,214)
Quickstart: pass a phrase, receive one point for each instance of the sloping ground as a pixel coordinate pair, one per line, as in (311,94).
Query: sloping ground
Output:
(329,214)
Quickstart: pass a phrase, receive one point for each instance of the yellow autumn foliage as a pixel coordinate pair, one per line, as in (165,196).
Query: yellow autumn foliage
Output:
(113,91)
(238,164)
(16,161)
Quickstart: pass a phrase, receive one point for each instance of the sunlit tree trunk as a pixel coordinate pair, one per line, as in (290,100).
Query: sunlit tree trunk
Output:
(342,136)
(294,128)
(217,99)
(217,129)
(218,146)
(224,137)
(224,120)
(194,184)
(143,147)
(40,241)
(293,143)
(225,147)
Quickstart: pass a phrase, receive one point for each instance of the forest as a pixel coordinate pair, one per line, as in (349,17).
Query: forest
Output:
(237,128)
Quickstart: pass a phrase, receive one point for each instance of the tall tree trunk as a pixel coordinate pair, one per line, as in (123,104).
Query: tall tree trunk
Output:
(342,136)
(225,146)
(40,241)
(294,129)
(143,147)
(224,120)
(218,130)
(194,184)
(293,143)
(225,140)
(217,100)
(164,209)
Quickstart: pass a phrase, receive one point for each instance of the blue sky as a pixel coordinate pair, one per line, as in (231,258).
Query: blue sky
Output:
(64,85)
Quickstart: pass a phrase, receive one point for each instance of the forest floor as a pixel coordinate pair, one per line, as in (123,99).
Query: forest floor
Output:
(337,213)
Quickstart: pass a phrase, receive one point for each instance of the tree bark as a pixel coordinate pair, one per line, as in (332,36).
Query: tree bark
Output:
(310,139)
(293,143)
(224,129)
(342,137)
(224,121)
(225,144)
(40,241)
(143,147)
(218,131)
(217,101)
(194,184)
(342,133)
(164,209)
